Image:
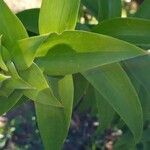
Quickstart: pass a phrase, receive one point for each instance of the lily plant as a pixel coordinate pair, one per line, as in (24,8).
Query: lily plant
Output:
(60,64)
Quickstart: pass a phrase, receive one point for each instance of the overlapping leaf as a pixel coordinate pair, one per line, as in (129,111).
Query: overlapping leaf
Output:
(143,11)
(109,9)
(133,30)
(42,92)
(114,85)
(10,27)
(63,54)
(74,49)
(8,103)
(54,122)
(57,16)
(29,18)
(92,5)
(105,112)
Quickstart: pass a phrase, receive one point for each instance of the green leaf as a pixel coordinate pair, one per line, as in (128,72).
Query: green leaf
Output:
(114,85)
(126,142)
(41,92)
(3,77)
(8,103)
(133,30)
(139,68)
(25,50)
(74,49)
(29,18)
(54,122)
(104,9)
(80,86)
(2,63)
(143,11)
(14,81)
(66,92)
(88,102)
(10,27)
(92,5)
(109,9)
(105,112)
(57,16)
(143,94)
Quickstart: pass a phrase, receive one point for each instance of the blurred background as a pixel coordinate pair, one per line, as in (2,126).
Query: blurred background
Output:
(18,128)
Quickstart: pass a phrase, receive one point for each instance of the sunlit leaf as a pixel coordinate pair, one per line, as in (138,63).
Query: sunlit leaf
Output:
(74,49)
(41,92)
(10,26)
(57,16)
(25,50)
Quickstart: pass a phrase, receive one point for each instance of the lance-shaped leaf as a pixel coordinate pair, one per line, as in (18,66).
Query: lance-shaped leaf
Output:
(2,63)
(133,30)
(3,77)
(25,50)
(125,142)
(8,103)
(53,122)
(29,18)
(80,86)
(56,16)
(143,11)
(114,85)
(41,92)
(109,9)
(62,16)
(74,49)
(105,112)
(143,93)
(139,68)
(144,96)
(88,102)
(92,5)
(10,26)
(15,82)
